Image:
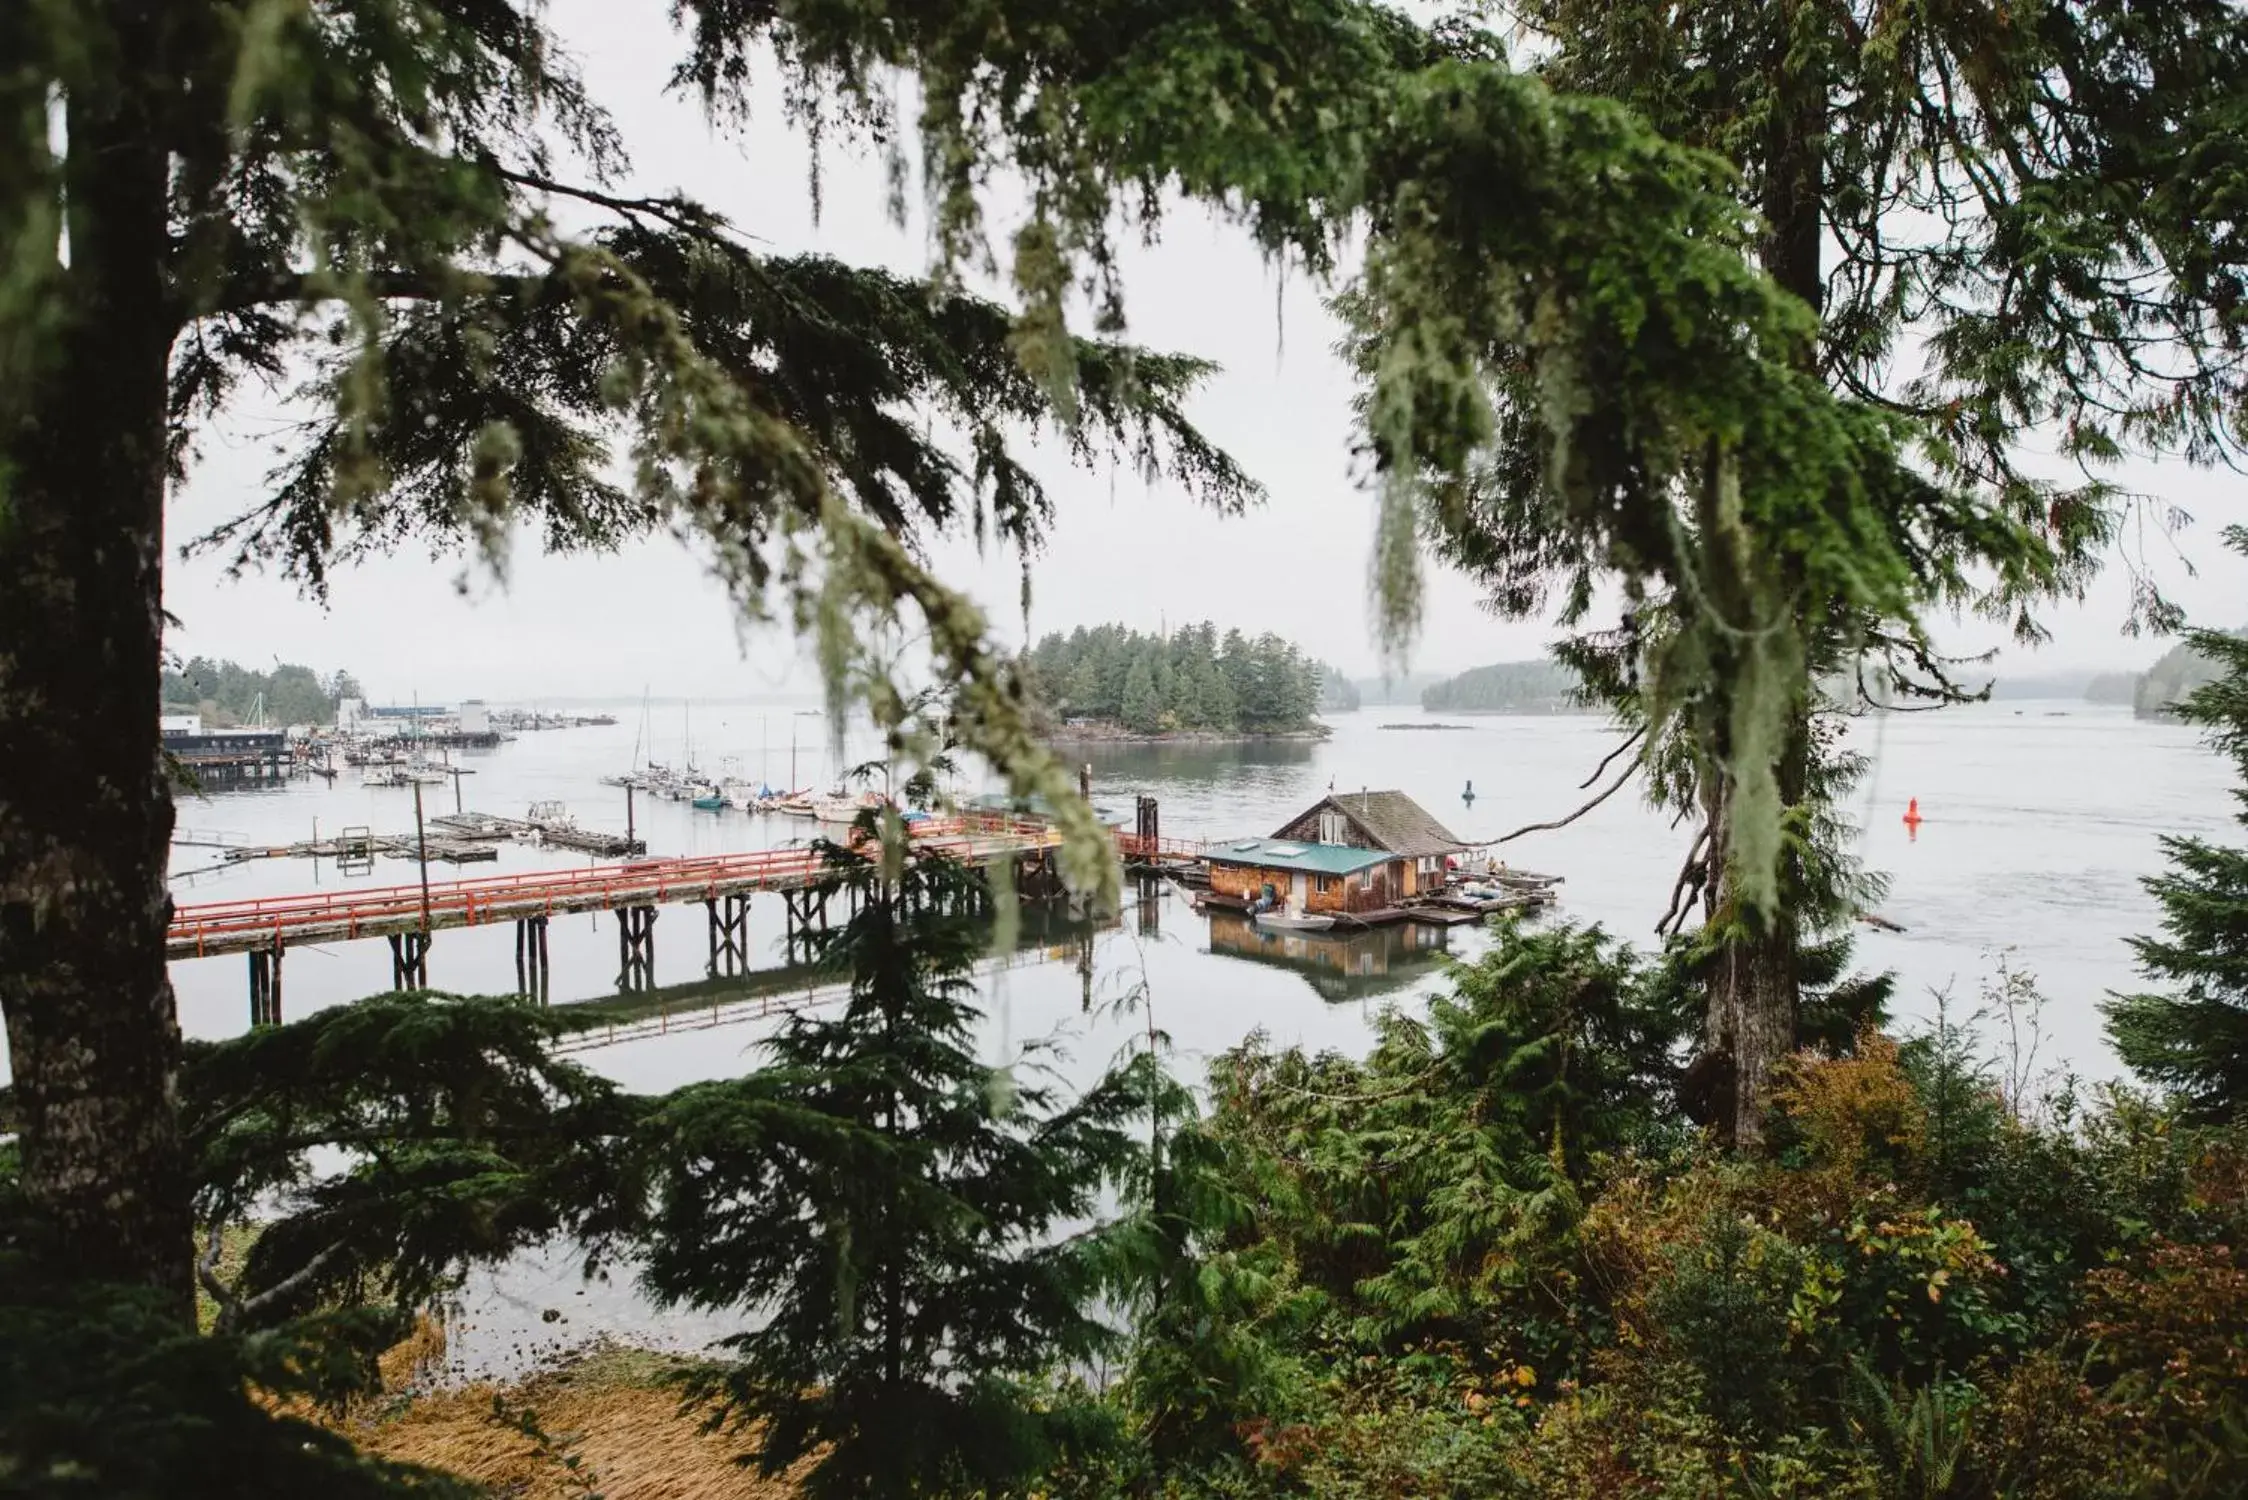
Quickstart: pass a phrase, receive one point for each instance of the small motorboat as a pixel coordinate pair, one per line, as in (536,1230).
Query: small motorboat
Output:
(1294,921)
(742,797)
(710,802)
(843,808)
(551,817)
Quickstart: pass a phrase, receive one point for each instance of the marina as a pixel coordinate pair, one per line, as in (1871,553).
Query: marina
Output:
(1619,863)
(1346,865)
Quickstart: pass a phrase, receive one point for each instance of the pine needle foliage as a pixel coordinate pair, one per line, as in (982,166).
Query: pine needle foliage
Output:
(1985,224)
(384,1147)
(103,1393)
(899,1221)
(2192,1037)
(1427,1194)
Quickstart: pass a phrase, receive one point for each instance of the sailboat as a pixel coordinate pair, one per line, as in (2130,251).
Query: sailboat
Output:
(641,779)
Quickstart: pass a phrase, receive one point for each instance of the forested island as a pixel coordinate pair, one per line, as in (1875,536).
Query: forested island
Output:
(1109,682)
(227,693)
(1507,687)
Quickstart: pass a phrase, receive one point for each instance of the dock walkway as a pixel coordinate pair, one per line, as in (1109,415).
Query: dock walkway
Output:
(274,923)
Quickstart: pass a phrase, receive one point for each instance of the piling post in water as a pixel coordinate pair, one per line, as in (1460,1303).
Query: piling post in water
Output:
(421,851)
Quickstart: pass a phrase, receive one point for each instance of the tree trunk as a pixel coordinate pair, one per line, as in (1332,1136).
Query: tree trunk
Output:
(85,824)
(1754,993)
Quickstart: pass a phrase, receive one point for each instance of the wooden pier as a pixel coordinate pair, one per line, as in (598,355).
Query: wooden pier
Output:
(410,916)
(225,759)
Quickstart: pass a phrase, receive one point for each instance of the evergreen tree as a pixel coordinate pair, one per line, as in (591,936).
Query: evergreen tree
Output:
(1189,682)
(2193,1037)
(197,192)
(1218,703)
(2023,199)
(1082,696)
(1143,706)
(893,1211)
(1186,695)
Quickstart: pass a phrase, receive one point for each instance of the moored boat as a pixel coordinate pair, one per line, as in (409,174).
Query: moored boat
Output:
(1294,921)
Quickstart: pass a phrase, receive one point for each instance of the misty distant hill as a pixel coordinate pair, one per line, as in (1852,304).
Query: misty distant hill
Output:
(2162,686)
(1507,687)
(1337,693)
(1388,690)
(2014,686)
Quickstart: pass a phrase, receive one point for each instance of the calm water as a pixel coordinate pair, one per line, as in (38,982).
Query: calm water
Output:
(2040,819)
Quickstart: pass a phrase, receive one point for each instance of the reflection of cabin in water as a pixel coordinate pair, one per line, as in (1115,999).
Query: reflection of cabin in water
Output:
(1352,852)
(1339,965)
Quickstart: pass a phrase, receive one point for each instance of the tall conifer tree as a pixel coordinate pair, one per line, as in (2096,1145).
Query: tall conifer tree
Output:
(2034,200)
(894,1213)
(2193,1035)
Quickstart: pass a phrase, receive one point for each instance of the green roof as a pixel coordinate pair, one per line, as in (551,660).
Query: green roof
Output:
(1286,854)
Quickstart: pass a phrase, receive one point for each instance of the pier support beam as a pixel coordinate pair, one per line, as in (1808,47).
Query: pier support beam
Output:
(729,933)
(636,948)
(409,960)
(533,975)
(265,987)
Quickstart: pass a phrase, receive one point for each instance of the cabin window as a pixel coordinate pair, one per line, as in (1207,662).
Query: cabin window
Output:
(1323,883)
(1334,828)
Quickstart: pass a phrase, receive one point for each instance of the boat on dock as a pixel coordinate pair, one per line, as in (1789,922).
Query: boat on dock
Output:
(1293,921)
(549,827)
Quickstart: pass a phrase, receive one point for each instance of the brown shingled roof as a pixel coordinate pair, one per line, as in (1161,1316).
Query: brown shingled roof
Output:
(1387,820)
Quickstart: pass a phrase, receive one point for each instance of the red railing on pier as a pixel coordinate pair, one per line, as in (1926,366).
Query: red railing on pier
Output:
(276,921)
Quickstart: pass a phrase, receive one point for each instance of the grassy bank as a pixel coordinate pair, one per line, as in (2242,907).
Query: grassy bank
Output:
(605,1422)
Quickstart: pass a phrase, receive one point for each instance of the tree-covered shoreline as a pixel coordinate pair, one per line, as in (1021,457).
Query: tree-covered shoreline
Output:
(227,693)
(1110,682)
(1510,687)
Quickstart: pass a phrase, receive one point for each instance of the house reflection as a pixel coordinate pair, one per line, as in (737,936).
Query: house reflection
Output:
(1340,965)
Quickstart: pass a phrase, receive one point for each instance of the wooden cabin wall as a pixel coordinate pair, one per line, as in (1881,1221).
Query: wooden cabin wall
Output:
(1246,882)
(1305,830)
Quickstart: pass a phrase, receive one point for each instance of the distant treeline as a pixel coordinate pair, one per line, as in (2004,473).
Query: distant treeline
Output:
(228,693)
(1507,687)
(1337,693)
(1194,680)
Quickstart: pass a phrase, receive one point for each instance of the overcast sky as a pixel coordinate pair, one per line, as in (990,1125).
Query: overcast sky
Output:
(650,617)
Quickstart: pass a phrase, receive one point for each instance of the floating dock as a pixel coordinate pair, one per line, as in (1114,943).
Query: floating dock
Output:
(546,833)
(353,846)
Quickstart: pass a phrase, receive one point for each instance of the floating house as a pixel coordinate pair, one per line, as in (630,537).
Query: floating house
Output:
(1351,852)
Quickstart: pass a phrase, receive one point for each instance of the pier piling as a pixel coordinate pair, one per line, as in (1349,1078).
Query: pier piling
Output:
(533,975)
(729,933)
(265,987)
(409,960)
(636,948)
